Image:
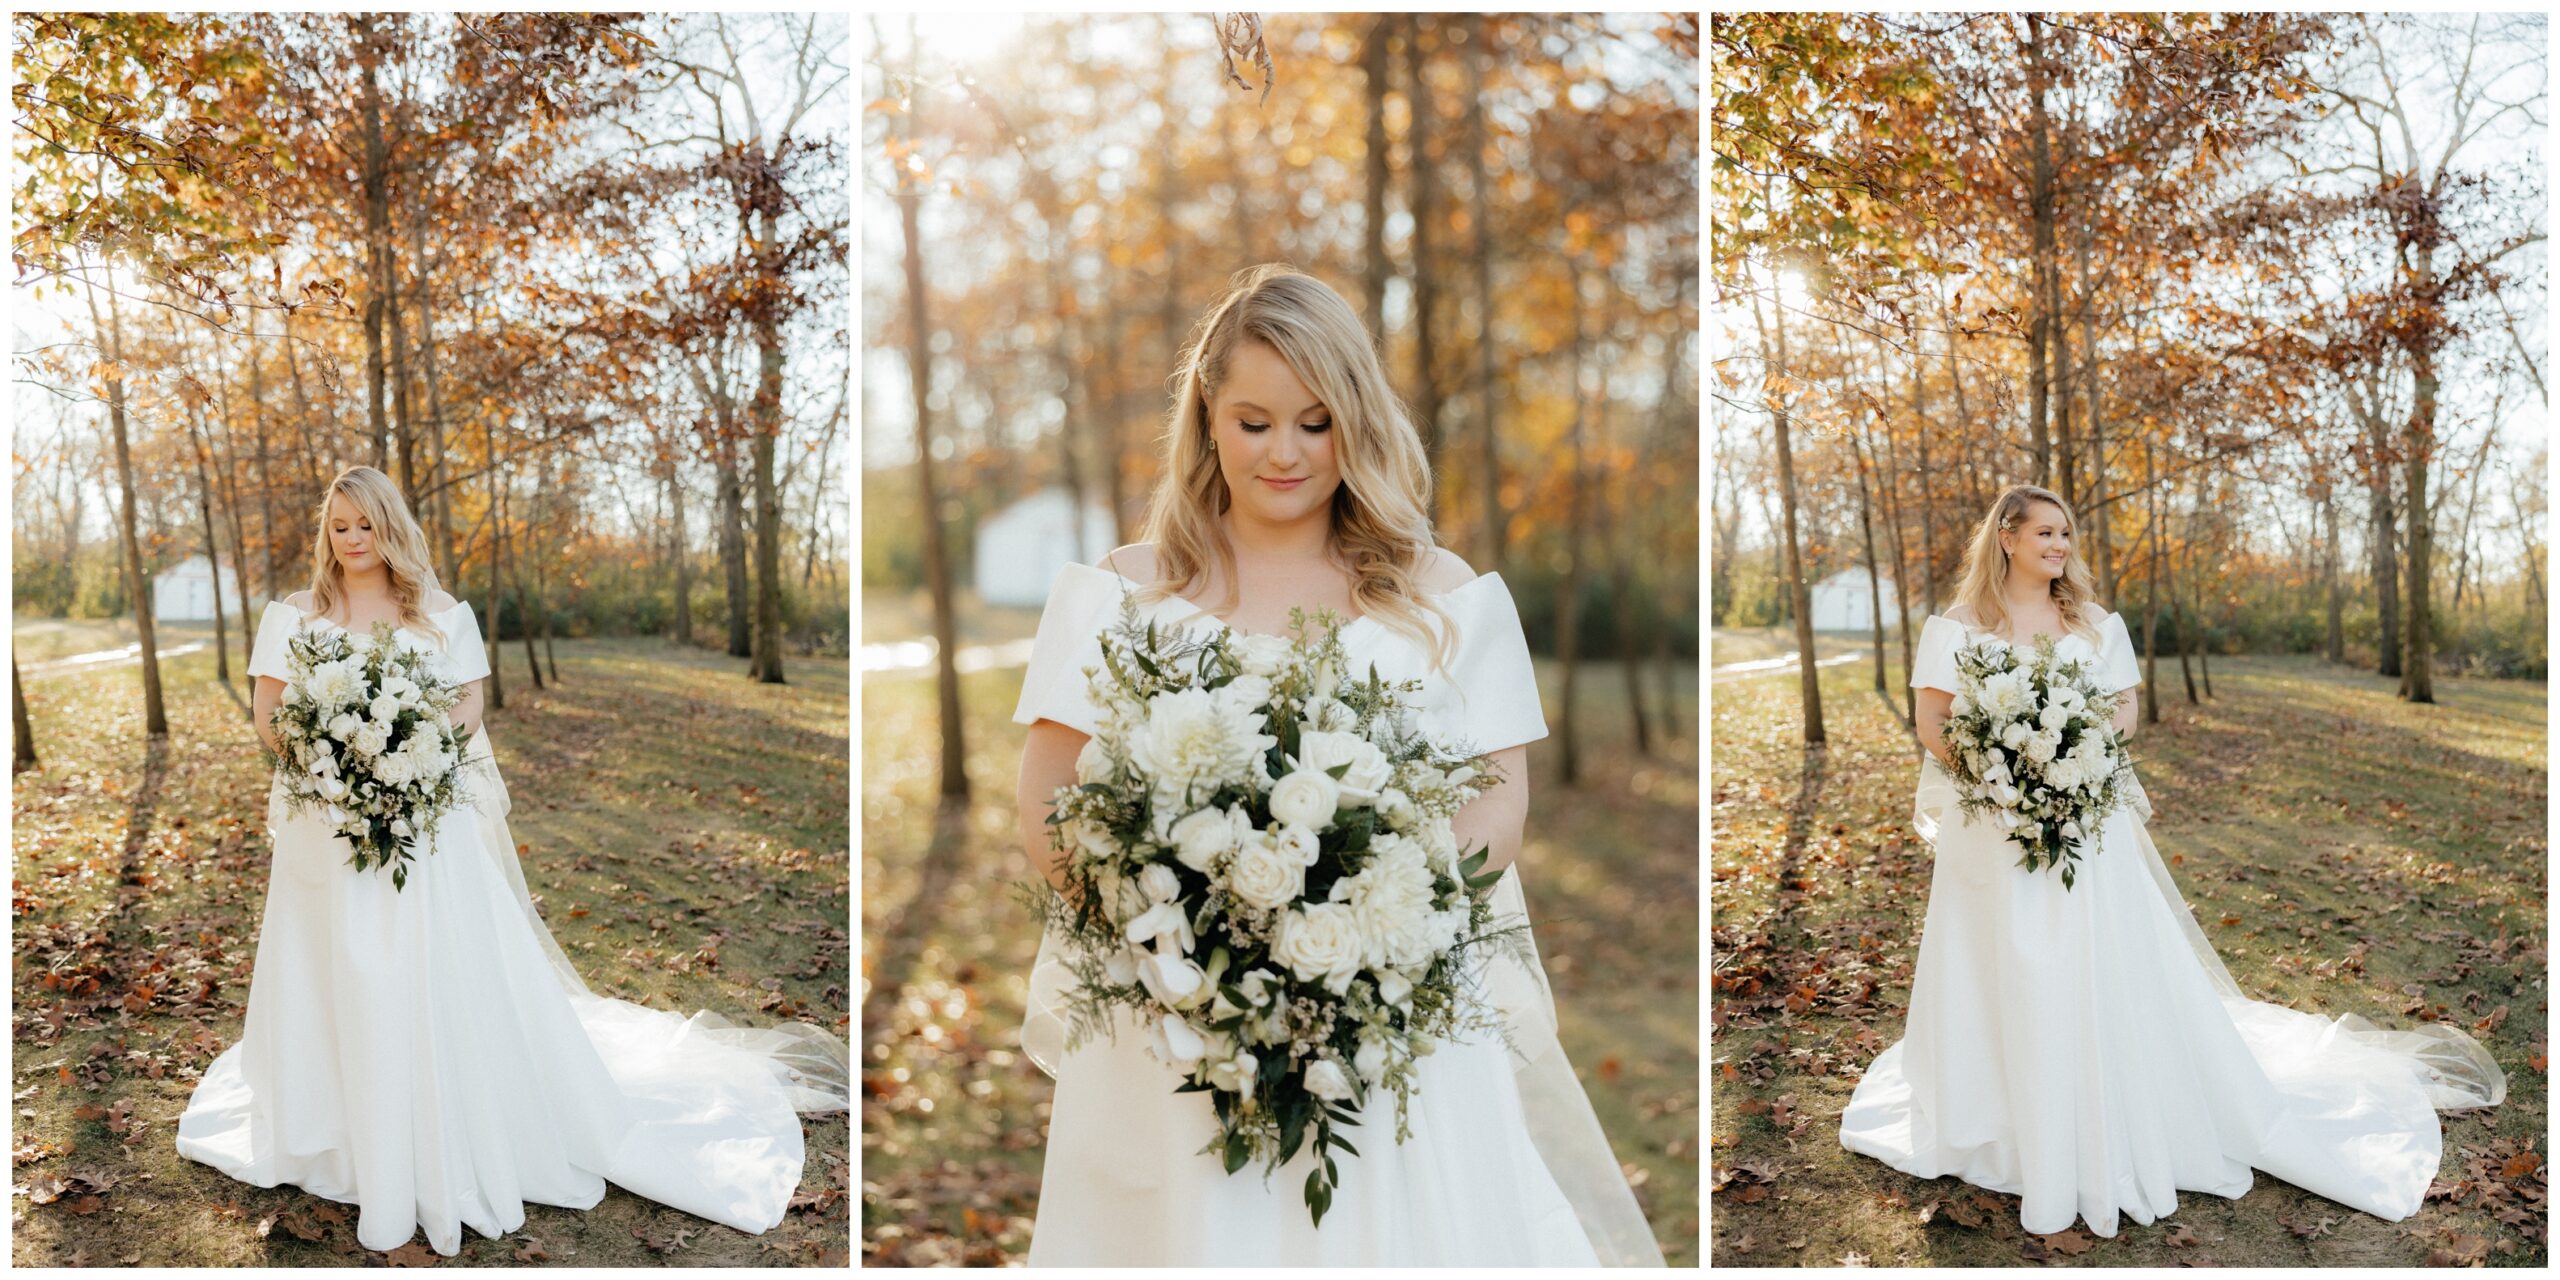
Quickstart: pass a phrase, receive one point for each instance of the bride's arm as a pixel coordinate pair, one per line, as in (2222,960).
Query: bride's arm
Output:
(1930,709)
(265,696)
(1497,818)
(1048,762)
(466,713)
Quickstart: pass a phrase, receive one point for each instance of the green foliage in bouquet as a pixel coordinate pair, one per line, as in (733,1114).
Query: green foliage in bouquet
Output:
(2047,815)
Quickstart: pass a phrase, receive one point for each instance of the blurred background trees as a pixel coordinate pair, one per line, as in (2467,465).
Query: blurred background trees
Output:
(577,283)
(1510,199)
(2260,295)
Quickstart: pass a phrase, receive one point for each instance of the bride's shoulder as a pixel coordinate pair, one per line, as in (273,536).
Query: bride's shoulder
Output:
(438,602)
(1959,614)
(1136,561)
(300,600)
(1443,572)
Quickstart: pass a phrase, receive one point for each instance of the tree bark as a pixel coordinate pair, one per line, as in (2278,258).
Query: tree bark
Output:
(375,179)
(1426,231)
(1373,230)
(683,554)
(1794,590)
(1488,384)
(2337,639)
(23,745)
(2151,593)
(2417,674)
(733,541)
(155,714)
(212,550)
(1569,596)
(2380,542)
(2040,213)
(937,564)
(497,549)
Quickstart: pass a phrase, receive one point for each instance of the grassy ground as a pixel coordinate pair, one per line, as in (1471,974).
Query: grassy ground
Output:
(683,828)
(2345,852)
(954,1117)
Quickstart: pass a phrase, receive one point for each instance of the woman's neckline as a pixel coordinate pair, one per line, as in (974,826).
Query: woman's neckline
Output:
(1203,611)
(2029,643)
(316,614)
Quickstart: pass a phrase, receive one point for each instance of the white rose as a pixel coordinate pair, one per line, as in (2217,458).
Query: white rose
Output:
(2040,747)
(1262,655)
(385,707)
(371,739)
(1247,691)
(1299,843)
(1305,798)
(1159,883)
(1204,837)
(1369,771)
(343,726)
(1263,877)
(1177,1043)
(1325,1080)
(1320,943)
(1371,1061)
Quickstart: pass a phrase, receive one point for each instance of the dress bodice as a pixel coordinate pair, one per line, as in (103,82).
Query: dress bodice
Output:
(460,656)
(1485,696)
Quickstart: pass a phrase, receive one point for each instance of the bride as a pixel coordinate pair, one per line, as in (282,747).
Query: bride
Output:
(1292,477)
(428,1054)
(2083,1048)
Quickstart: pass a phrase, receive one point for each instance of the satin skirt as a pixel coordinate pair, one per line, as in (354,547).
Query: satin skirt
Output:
(418,1055)
(2084,1051)
(1126,1182)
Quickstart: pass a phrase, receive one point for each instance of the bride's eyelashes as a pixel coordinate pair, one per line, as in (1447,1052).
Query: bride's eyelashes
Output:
(1258,427)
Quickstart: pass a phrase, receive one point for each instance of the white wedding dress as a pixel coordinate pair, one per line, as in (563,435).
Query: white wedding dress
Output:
(1506,1164)
(2085,1050)
(429,1055)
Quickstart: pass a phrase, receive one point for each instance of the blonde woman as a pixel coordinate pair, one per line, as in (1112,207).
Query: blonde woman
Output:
(1294,478)
(428,1054)
(2084,1048)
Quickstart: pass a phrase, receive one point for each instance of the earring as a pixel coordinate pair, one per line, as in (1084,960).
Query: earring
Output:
(1213,444)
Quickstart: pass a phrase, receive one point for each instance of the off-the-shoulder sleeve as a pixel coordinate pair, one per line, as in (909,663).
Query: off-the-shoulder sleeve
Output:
(1083,601)
(268,655)
(2117,669)
(1933,665)
(466,658)
(1497,687)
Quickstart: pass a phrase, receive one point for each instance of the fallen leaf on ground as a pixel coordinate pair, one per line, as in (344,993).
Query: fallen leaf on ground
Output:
(416,1253)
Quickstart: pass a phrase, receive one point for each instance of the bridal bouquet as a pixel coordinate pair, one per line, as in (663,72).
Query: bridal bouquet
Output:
(2035,746)
(366,741)
(1261,868)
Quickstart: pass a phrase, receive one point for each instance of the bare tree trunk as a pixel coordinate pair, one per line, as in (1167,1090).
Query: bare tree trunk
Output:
(1875,574)
(2417,674)
(375,178)
(1797,593)
(23,747)
(684,556)
(2382,520)
(1488,384)
(1426,233)
(497,548)
(1616,534)
(1569,597)
(425,295)
(212,549)
(2337,640)
(271,577)
(733,543)
(2151,593)
(937,564)
(1373,229)
(2040,203)
(155,714)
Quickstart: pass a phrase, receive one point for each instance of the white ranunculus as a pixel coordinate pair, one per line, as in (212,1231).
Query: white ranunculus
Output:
(1371,1061)
(1172,979)
(1236,1074)
(385,707)
(2054,716)
(1262,655)
(1264,877)
(1159,883)
(1369,769)
(1306,798)
(1193,743)
(2040,747)
(1204,837)
(371,739)
(1325,1080)
(1320,943)
(1177,1043)
(1297,842)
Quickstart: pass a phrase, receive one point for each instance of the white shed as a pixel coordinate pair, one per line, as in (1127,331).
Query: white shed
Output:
(1841,602)
(1021,548)
(184,591)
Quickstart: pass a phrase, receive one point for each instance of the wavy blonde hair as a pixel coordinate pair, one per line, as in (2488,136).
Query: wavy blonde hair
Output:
(1381,520)
(396,538)
(1986,565)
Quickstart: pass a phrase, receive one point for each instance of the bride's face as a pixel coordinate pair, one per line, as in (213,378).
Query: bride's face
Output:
(351,536)
(1274,440)
(2040,545)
